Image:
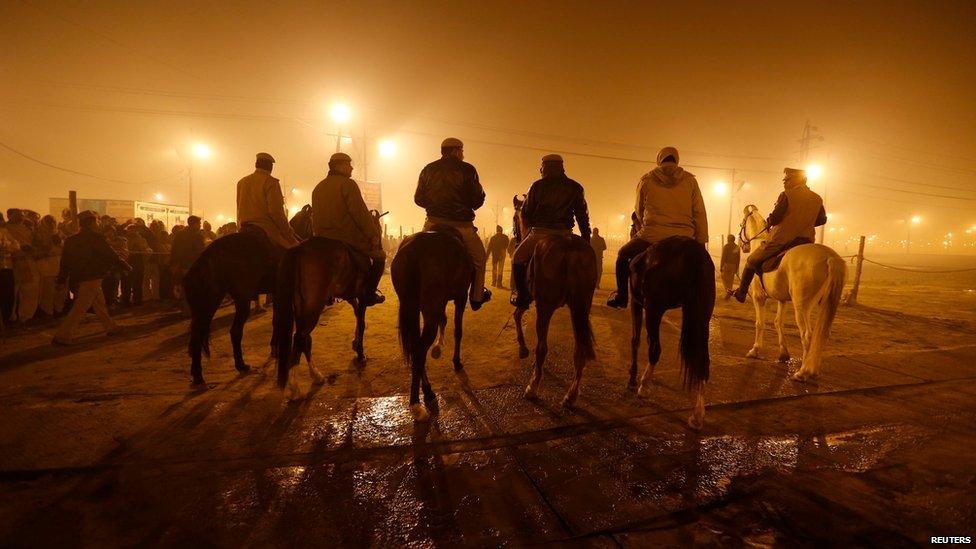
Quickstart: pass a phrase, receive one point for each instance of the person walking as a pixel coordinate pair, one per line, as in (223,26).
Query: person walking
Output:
(86,258)
(450,192)
(497,247)
(9,246)
(729,264)
(599,246)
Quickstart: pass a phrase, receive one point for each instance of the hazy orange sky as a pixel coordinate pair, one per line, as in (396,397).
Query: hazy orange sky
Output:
(115,89)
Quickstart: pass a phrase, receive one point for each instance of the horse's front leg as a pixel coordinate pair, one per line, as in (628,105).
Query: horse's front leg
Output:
(784,352)
(636,314)
(459,305)
(697,419)
(520,334)
(760,304)
(241,312)
(543,316)
(654,317)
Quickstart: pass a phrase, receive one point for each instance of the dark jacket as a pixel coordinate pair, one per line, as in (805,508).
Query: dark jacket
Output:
(88,256)
(552,203)
(339,213)
(449,188)
(188,244)
(497,245)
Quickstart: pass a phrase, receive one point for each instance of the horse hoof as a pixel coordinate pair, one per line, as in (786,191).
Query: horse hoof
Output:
(419,412)
(243,368)
(531,393)
(523,352)
(643,392)
(317,377)
(198,385)
(435,352)
(695,423)
(803,377)
(458,366)
(753,353)
(569,401)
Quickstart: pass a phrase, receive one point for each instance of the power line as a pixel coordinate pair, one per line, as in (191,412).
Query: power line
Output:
(76,172)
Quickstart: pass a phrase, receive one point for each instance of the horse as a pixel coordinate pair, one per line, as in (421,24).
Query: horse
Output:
(238,264)
(430,269)
(812,277)
(310,277)
(562,272)
(675,272)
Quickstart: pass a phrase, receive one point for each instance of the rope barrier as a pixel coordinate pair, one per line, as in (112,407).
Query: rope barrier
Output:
(914,270)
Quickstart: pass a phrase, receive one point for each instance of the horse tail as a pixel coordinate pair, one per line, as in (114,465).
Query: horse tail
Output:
(696,313)
(580,300)
(286,284)
(203,294)
(829,303)
(408,314)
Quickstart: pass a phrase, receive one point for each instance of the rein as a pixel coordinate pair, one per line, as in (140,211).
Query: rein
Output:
(742,232)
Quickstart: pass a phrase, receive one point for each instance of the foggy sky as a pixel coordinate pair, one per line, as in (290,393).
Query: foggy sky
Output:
(113,89)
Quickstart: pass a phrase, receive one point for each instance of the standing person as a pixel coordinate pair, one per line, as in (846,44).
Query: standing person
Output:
(47,253)
(87,257)
(794,219)
(113,279)
(669,203)
(549,209)
(67,226)
(497,247)
(208,234)
(8,247)
(188,244)
(261,208)
(450,192)
(26,276)
(132,283)
(339,213)
(599,246)
(729,264)
(164,245)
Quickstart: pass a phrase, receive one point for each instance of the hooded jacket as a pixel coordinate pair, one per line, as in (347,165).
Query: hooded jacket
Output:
(669,203)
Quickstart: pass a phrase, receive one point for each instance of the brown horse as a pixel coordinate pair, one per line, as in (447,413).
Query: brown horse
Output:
(675,272)
(429,270)
(311,277)
(562,272)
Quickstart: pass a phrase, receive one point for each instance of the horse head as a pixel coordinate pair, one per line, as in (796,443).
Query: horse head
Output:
(753,226)
(517,229)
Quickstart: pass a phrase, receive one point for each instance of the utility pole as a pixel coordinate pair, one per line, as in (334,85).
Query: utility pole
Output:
(811,134)
(189,176)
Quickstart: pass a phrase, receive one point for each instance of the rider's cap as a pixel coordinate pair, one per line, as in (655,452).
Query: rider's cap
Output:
(340,157)
(452,142)
(666,152)
(265,157)
(794,172)
(552,158)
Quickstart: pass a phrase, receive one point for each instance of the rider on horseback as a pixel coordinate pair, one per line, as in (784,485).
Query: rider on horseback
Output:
(549,209)
(797,213)
(669,203)
(450,192)
(261,208)
(339,213)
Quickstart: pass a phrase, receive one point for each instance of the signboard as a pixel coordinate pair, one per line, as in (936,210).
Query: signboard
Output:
(170,215)
(125,210)
(372,194)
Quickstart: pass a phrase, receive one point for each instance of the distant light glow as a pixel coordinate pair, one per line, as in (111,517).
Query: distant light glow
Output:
(721,188)
(387,148)
(220,217)
(814,172)
(340,113)
(158,197)
(294,190)
(916,219)
(201,150)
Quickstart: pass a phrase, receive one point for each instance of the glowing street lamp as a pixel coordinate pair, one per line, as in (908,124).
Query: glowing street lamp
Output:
(201,150)
(340,113)
(158,197)
(387,148)
(197,150)
(914,220)
(721,188)
(814,172)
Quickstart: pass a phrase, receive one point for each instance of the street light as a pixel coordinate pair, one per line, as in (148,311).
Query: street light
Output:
(201,150)
(814,172)
(720,188)
(915,220)
(197,150)
(158,197)
(340,113)
(387,148)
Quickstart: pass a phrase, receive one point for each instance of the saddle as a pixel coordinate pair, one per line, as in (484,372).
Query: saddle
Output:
(456,234)
(772,263)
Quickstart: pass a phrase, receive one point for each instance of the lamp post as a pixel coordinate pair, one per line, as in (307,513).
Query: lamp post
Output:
(914,220)
(197,150)
(814,172)
(340,113)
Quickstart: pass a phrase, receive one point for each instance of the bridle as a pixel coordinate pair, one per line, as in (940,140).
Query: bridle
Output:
(744,241)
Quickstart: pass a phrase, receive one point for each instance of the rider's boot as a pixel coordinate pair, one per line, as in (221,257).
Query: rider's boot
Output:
(618,299)
(372,296)
(521,295)
(742,291)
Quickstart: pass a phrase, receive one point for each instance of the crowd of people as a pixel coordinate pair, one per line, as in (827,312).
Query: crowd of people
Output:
(33,261)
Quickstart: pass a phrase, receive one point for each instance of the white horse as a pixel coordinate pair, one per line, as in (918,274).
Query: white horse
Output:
(812,277)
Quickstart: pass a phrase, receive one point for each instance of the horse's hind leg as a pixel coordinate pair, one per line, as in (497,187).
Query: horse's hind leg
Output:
(803,311)
(653,349)
(760,305)
(520,333)
(697,418)
(636,313)
(784,352)
(419,364)
(242,311)
(435,351)
(543,316)
(357,343)
(199,342)
(459,305)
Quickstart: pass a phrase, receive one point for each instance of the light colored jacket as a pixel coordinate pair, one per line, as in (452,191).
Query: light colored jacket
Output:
(260,202)
(340,213)
(8,246)
(798,211)
(669,203)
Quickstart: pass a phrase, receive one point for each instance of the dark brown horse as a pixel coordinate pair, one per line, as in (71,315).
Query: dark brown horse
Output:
(239,265)
(562,272)
(430,269)
(675,272)
(310,277)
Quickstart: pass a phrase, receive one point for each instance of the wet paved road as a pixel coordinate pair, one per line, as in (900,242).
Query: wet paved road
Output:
(103,444)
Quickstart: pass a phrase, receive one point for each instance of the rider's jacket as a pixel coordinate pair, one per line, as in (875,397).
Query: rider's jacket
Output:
(669,203)
(339,212)
(260,203)
(449,189)
(797,212)
(553,202)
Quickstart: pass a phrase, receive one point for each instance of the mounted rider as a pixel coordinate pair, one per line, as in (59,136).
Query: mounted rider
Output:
(340,213)
(797,213)
(549,209)
(449,190)
(669,203)
(261,208)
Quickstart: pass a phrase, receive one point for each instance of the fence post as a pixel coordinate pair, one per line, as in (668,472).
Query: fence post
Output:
(852,295)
